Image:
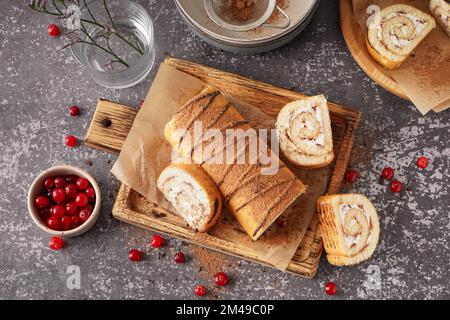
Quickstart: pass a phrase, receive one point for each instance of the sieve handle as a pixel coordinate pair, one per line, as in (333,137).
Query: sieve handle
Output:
(283,25)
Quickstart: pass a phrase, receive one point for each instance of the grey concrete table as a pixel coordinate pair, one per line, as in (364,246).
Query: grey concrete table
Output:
(38,83)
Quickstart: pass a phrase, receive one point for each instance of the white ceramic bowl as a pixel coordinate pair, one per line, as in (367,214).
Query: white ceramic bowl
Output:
(38,185)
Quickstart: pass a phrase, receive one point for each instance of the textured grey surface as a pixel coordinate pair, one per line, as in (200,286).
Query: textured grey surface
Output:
(38,83)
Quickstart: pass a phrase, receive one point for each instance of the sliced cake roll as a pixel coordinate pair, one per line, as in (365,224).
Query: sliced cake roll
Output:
(255,196)
(440,9)
(395,31)
(192,193)
(304,132)
(350,228)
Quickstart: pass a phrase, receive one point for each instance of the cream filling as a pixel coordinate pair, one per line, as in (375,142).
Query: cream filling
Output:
(343,210)
(320,140)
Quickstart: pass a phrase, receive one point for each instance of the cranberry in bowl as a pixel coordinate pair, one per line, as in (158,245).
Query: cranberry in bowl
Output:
(64,201)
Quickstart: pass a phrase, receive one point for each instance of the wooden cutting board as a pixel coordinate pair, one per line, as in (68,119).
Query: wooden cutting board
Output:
(112,122)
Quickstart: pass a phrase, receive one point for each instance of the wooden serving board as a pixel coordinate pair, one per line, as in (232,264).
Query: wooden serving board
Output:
(356,43)
(112,122)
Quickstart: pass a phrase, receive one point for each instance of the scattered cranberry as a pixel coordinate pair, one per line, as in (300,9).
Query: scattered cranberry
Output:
(74,111)
(330,288)
(71,191)
(221,279)
(53,30)
(141,103)
(387,173)
(179,257)
(134,255)
(422,162)
(42,202)
(71,209)
(60,182)
(81,200)
(82,183)
(90,192)
(58,195)
(84,214)
(351,175)
(53,223)
(66,222)
(49,183)
(395,186)
(71,141)
(200,290)
(56,243)
(281,222)
(157,241)
(58,211)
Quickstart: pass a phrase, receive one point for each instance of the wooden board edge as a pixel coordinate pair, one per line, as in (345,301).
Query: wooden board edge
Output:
(370,68)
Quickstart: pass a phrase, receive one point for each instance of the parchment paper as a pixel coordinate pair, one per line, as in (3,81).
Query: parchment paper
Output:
(146,153)
(424,76)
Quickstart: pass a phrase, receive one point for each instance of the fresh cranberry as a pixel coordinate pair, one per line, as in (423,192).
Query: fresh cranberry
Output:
(44,213)
(49,183)
(395,186)
(90,192)
(58,195)
(58,211)
(134,255)
(82,183)
(221,279)
(89,208)
(71,209)
(53,30)
(74,111)
(56,243)
(66,222)
(179,257)
(330,288)
(60,182)
(351,175)
(200,290)
(141,104)
(81,200)
(53,223)
(71,141)
(75,221)
(84,215)
(71,190)
(422,162)
(72,179)
(281,222)
(157,241)
(42,201)
(387,173)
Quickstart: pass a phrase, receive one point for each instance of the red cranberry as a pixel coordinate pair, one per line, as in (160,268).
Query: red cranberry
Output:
(395,186)
(351,175)
(330,288)
(60,182)
(90,192)
(140,103)
(53,30)
(74,111)
(58,195)
(71,141)
(72,179)
(179,257)
(42,201)
(422,162)
(82,183)
(157,241)
(75,221)
(387,173)
(66,222)
(49,183)
(71,209)
(71,191)
(58,211)
(44,213)
(281,222)
(134,255)
(81,200)
(89,208)
(56,243)
(53,223)
(200,290)
(84,215)
(221,279)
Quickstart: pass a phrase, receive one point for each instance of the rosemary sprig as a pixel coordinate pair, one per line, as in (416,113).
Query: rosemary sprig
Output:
(109,30)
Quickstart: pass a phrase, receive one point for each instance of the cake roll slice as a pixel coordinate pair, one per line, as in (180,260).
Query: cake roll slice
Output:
(304,132)
(350,228)
(395,31)
(440,9)
(192,193)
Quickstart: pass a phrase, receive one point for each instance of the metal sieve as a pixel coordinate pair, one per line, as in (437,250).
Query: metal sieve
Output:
(244,15)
